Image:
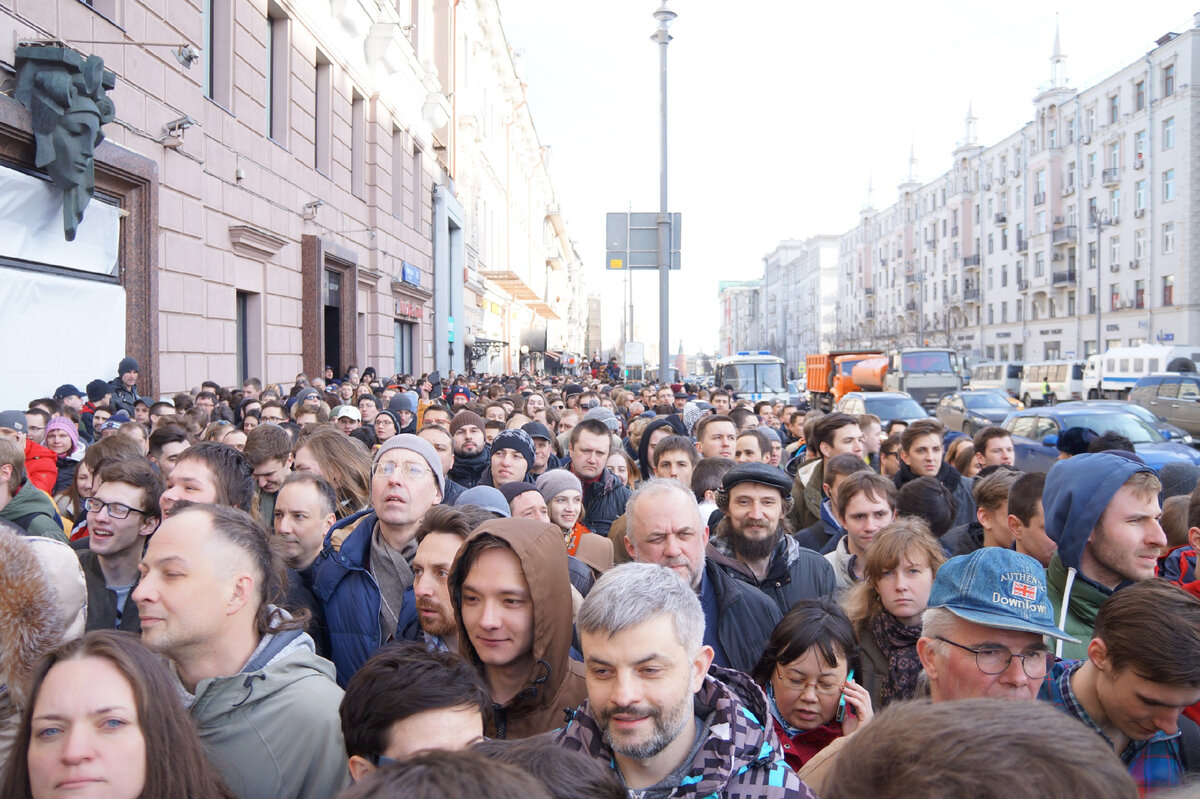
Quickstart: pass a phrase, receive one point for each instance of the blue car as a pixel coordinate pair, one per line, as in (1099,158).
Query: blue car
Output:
(1035,432)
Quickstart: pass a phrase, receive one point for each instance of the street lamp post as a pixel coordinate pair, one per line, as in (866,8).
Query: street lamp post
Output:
(1099,220)
(665,17)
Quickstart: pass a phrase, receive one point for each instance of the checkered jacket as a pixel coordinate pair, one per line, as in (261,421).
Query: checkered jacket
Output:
(740,759)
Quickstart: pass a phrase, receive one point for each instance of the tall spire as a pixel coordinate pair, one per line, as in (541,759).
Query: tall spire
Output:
(912,163)
(970,120)
(870,192)
(1058,61)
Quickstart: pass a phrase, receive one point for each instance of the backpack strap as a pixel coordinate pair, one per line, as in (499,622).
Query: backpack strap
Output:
(1189,742)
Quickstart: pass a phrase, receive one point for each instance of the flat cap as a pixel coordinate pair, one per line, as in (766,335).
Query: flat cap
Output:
(757,473)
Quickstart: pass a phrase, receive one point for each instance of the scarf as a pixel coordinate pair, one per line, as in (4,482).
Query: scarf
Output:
(394,576)
(898,642)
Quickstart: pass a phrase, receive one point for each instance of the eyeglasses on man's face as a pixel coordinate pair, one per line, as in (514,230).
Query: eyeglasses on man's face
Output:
(993,660)
(116,510)
(410,471)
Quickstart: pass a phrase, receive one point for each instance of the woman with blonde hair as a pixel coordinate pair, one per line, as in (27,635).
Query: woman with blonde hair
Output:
(886,607)
(343,461)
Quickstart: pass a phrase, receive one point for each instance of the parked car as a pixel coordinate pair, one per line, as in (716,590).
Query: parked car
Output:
(1175,396)
(887,405)
(971,411)
(796,394)
(1169,431)
(1035,432)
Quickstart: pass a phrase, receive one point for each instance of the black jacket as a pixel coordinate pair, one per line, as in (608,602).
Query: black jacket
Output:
(102,601)
(794,573)
(468,471)
(603,501)
(963,539)
(745,618)
(123,398)
(958,486)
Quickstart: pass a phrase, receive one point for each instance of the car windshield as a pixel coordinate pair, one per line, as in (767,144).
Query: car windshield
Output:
(1125,424)
(888,408)
(987,401)
(1146,416)
(750,378)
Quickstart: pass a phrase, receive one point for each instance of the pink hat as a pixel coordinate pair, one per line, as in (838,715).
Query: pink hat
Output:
(63,423)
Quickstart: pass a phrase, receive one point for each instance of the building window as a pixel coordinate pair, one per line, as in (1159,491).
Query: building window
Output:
(1071,130)
(1168,74)
(1091,262)
(1018,352)
(1168,136)
(416,188)
(1139,244)
(991,239)
(1070,303)
(1139,294)
(1168,237)
(1114,109)
(991,315)
(403,353)
(1114,297)
(1114,250)
(1114,204)
(1139,195)
(1139,95)
(1091,300)
(1039,265)
(218,51)
(278,73)
(1003,276)
(1169,185)
(1003,312)
(399,156)
(1139,145)
(1091,167)
(322,119)
(1091,121)
(358,144)
(1168,290)
(1020,310)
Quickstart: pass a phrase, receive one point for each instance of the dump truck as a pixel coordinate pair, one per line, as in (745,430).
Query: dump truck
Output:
(925,373)
(828,376)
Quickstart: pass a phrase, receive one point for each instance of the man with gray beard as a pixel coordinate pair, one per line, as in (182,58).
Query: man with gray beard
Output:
(753,543)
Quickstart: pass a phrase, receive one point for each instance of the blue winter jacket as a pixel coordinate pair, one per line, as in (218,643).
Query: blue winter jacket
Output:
(349,595)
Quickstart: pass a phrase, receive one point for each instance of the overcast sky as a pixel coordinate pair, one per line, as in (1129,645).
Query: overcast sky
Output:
(781,112)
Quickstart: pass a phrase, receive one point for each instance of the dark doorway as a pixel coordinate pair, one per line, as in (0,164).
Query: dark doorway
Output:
(333,320)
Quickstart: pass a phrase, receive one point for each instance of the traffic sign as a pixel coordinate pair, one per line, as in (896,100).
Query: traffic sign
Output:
(632,240)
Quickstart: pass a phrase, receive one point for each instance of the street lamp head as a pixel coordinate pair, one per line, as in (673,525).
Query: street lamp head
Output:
(665,16)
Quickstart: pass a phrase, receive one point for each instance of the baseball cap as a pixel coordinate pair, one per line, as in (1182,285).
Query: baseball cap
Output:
(536,430)
(486,497)
(14,420)
(998,588)
(347,412)
(66,390)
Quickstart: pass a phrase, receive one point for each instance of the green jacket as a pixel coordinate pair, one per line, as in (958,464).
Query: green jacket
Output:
(33,511)
(1082,605)
(807,494)
(273,730)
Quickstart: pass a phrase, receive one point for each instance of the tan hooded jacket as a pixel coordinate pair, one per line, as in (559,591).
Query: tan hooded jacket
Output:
(555,685)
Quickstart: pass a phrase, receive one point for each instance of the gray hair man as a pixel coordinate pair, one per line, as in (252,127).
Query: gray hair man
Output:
(655,701)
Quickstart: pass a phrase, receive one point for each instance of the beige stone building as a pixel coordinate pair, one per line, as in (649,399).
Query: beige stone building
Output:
(286,201)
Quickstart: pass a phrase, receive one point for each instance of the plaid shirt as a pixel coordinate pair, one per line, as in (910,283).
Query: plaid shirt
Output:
(1155,764)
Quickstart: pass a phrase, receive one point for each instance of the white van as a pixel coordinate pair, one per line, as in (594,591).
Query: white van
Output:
(1065,379)
(1113,374)
(1002,375)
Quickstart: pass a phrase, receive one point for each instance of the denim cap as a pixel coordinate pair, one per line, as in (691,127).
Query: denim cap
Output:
(999,588)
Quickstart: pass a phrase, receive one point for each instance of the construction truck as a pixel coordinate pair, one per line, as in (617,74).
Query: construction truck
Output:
(828,376)
(924,373)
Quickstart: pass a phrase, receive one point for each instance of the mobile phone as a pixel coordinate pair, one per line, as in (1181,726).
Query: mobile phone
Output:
(842,702)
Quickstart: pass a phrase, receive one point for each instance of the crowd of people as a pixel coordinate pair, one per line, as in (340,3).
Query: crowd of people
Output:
(553,586)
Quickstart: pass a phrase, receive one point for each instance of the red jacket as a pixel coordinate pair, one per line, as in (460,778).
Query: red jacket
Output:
(41,466)
(1179,567)
(799,750)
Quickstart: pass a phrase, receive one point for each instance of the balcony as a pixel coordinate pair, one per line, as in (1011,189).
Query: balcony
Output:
(1067,278)
(1001,219)
(971,295)
(911,305)
(869,291)
(971,260)
(1110,176)
(869,315)
(1039,198)
(1065,235)
(1022,244)
(911,277)
(954,230)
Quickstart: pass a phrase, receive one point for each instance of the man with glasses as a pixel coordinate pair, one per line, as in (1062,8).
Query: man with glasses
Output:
(122,513)
(365,588)
(273,413)
(982,635)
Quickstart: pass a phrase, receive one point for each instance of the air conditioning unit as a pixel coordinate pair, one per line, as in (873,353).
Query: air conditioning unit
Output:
(1058,220)
(1000,180)
(987,186)
(1139,163)
(1086,140)
(1138,213)
(1114,267)
(1135,263)
(1057,256)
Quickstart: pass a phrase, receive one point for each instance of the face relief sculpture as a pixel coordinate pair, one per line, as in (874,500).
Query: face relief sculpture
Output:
(67,96)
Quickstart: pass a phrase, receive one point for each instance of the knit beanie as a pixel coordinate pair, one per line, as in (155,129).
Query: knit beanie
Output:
(464,418)
(604,415)
(63,423)
(127,364)
(420,446)
(96,390)
(514,439)
(556,481)
(513,490)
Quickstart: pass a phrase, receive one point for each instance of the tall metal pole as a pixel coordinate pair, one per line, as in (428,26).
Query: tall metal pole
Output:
(664,16)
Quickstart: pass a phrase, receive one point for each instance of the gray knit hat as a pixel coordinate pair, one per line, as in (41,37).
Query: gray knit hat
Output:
(604,415)
(420,446)
(556,481)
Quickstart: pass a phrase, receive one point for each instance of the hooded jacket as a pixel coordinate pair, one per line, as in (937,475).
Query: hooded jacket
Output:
(794,572)
(958,486)
(643,453)
(273,729)
(739,755)
(1077,492)
(807,494)
(33,511)
(555,685)
(41,466)
(350,597)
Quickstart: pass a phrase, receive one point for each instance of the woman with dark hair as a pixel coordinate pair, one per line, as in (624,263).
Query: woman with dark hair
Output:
(886,607)
(930,501)
(807,670)
(143,746)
